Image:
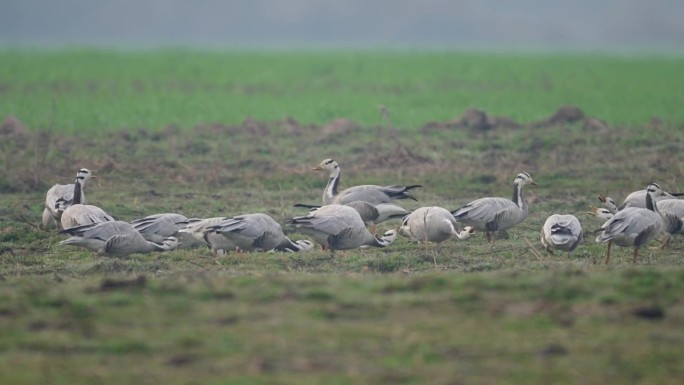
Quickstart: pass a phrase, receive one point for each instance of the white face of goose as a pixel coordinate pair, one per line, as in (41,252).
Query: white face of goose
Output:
(466,232)
(329,165)
(654,189)
(524,178)
(83,175)
(305,245)
(171,243)
(389,237)
(601,213)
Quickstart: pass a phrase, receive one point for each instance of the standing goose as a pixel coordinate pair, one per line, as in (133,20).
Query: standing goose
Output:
(632,226)
(339,227)
(116,239)
(495,214)
(64,194)
(195,232)
(638,198)
(561,232)
(672,211)
(159,226)
(433,224)
(257,232)
(368,193)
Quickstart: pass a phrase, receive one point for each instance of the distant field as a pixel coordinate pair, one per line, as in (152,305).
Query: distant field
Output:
(172,137)
(103,90)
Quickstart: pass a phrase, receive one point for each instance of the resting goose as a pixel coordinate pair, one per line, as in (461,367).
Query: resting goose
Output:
(116,239)
(492,215)
(64,194)
(638,198)
(561,232)
(633,226)
(432,224)
(257,232)
(368,193)
(196,230)
(159,226)
(78,215)
(339,227)
(370,214)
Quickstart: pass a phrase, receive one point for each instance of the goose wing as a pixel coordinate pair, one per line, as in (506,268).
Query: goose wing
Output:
(484,210)
(374,194)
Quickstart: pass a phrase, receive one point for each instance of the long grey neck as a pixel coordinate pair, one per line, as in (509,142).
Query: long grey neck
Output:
(78,193)
(518,198)
(650,203)
(331,188)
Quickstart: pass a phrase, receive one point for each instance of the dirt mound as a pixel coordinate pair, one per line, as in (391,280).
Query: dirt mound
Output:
(11,126)
(255,128)
(564,115)
(339,127)
(400,157)
(475,120)
(596,125)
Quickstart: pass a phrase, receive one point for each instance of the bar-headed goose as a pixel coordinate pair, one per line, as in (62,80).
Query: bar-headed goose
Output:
(339,227)
(257,232)
(633,226)
(433,224)
(64,194)
(368,193)
(196,230)
(116,239)
(492,215)
(608,203)
(561,232)
(638,198)
(159,226)
(371,214)
(78,215)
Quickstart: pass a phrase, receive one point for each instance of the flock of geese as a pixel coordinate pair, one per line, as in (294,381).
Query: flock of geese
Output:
(347,219)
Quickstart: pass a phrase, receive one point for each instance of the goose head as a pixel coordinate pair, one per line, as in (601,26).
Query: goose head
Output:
(329,165)
(524,178)
(600,212)
(388,237)
(170,243)
(655,190)
(466,233)
(83,175)
(608,203)
(305,245)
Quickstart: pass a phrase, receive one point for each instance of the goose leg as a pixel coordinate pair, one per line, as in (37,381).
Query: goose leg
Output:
(666,241)
(636,254)
(610,243)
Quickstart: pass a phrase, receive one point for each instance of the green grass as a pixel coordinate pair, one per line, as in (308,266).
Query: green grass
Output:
(104,91)
(463,312)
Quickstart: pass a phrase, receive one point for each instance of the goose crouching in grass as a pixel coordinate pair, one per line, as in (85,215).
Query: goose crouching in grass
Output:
(367,193)
(433,224)
(371,214)
(257,232)
(638,198)
(339,227)
(561,232)
(78,215)
(632,226)
(492,215)
(159,226)
(195,233)
(115,239)
(64,194)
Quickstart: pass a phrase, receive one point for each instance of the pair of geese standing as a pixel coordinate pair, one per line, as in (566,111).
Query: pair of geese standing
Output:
(642,216)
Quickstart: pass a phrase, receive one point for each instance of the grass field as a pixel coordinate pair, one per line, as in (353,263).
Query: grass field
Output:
(169,132)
